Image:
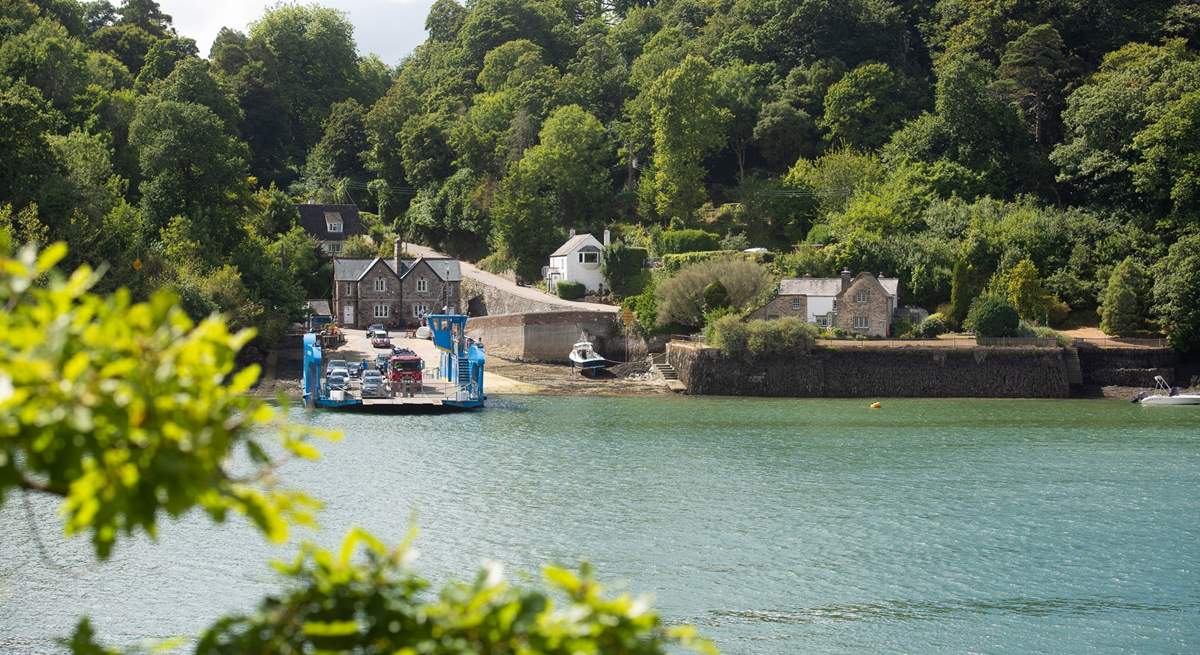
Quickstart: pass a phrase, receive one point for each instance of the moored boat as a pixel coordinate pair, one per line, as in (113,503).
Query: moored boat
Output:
(1165,394)
(585,358)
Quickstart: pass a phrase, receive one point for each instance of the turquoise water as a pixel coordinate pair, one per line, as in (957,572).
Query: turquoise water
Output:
(776,527)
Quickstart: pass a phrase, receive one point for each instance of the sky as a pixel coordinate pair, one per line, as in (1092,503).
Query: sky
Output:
(388,28)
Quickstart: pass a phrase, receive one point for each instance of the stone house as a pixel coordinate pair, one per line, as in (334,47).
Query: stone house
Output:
(331,225)
(394,291)
(864,304)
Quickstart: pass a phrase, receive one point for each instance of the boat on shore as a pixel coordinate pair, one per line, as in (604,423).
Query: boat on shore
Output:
(585,358)
(1165,394)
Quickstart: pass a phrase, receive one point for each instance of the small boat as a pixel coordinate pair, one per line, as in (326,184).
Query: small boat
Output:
(584,357)
(1166,395)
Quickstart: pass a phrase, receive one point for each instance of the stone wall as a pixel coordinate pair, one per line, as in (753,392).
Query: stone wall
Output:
(485,300)
(796,306)
(877,373)
(1127,367)
(548,336)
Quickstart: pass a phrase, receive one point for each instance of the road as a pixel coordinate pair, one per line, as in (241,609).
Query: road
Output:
(508,286)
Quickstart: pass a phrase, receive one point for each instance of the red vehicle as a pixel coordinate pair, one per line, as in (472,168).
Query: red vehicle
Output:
(405,366)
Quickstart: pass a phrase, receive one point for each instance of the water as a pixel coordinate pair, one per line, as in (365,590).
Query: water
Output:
(777,527)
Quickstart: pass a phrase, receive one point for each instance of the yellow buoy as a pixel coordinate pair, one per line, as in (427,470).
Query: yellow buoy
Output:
(876,405)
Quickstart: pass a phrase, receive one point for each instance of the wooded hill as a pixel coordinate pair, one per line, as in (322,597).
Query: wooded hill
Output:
(914,138)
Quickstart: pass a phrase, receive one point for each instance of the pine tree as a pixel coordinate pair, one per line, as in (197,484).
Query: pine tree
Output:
(961,292)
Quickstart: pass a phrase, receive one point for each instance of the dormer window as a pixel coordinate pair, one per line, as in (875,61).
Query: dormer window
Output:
(333,222)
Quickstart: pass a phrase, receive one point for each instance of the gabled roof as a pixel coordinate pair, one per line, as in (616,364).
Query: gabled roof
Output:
(353,270)
(575,244)
(312,219)
(319,307)
(828,287)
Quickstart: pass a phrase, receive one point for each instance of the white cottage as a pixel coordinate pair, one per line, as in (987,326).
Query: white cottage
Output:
(577,260)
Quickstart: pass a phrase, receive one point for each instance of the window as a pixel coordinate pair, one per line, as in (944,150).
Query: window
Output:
(795,304)
(823,321)
(861,296)
(861,323)
(333,222)
(589,258)
(334,247)
(380,284)
(420,310)
(422,285)
(382,311)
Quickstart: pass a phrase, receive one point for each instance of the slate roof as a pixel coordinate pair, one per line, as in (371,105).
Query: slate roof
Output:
(312,219)
(574,244)
(319,307)
(827,286)
(352,270)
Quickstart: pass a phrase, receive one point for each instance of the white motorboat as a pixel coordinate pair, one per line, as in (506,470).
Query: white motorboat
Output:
(584,357)
(1165,394)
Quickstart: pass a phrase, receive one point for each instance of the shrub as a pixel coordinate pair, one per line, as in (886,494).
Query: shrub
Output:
(932,326)
(993,316)
(622,266)
(735,241)
(902,327)
(495,263)
(675,263)
(1121,311)
(729,333)
(568,290)
(715,296)
(681,298)
(710,321)
(786,335)
(681,241)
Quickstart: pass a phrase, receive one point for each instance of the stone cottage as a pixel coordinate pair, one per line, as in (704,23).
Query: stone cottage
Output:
(863,305)
(393,291)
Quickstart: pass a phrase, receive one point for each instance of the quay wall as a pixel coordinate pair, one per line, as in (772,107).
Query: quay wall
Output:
(549,336)
(485,299)
(981,372)
(1127,367)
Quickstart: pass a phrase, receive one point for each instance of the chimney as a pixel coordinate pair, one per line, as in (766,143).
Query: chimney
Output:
(607,238)
(396,256)
(572,233)
(846,279)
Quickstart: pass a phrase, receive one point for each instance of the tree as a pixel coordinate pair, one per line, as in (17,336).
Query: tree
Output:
(681,299)
(741,89)
(162,58)
(1026,293)
(1169,171)
(784,134)
(189,166)
(687,125)
(339,153)
(444,20)
(1121,309)
(425,150)
(993,316)
(1032,70)
(863,108)
(147,15)
(962,292)
(1177,293)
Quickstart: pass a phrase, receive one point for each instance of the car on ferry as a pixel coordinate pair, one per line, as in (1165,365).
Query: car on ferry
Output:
(381,340)
(373,385)
(335,363)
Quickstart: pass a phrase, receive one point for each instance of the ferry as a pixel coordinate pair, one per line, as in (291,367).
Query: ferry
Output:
(457,384)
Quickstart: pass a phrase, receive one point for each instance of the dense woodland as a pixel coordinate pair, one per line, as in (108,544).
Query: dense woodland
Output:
(1048,146)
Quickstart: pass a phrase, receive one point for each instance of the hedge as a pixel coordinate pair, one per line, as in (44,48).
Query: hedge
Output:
(783,336)
(683,241)
(671,264)
(568,290)
(622,267)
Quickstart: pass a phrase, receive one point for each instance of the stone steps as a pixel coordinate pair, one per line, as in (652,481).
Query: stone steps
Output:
(1074,368)
(659,360)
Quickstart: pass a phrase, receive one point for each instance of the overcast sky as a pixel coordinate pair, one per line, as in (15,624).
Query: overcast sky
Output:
(388,28)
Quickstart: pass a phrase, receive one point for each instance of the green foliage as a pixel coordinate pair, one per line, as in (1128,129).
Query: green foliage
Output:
(993,316)
(934,325)
(569,290)
(715,296)
(1122,311)
(681,298)
(672,264)
(1177,293)
(962,292)
(1026,293)
(864,107)
(778,337)
(358,247)
(685,241)
(622,267)
(687,126)
(124,448)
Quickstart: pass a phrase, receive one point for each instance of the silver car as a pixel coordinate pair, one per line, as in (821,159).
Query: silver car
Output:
(373,385)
